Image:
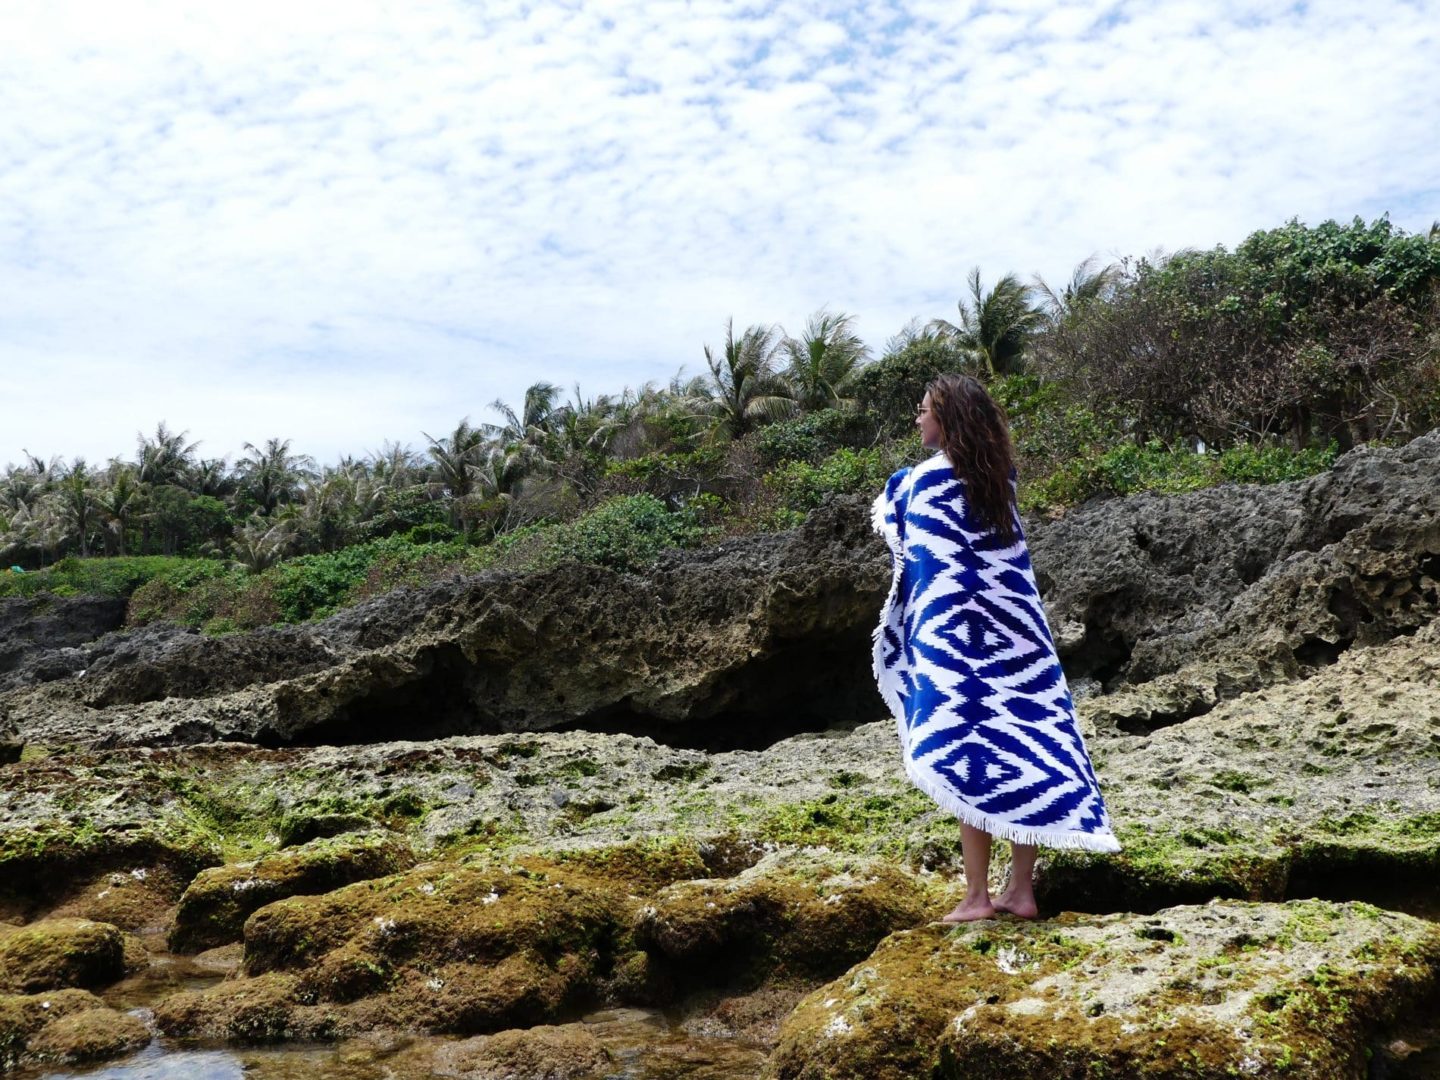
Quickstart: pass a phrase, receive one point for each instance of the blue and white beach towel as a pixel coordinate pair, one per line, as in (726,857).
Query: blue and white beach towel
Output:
(965,661)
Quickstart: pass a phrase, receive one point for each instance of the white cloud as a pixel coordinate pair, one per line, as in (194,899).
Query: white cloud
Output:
(348,221)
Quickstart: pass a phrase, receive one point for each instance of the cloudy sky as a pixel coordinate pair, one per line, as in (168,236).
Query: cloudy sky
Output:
(345,222)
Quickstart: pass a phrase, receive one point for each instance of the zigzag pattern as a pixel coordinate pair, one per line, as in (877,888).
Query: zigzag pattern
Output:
(966,663)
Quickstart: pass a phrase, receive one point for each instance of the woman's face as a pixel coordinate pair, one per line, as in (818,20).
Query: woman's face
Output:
(929,426)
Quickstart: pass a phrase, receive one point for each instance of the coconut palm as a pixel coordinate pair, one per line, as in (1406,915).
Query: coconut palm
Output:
(995,326)
(165,459)
(824,361)
(75,500)
(272,475)
(457,457)
(118,500)
(1086,285)
(532,424)
(262,542)
(745,388)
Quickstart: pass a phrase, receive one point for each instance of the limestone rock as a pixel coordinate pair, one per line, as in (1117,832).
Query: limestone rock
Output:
(545,1052)
(65,1026)
(57,953)
(1227,989)
(216,904)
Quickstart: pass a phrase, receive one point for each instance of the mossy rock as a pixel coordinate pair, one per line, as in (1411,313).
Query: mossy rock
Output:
(55,953)
(545,1052)
(1300,990)
(89,1035)
(214,908)
(791,914)
(266,1009)
(64,1026)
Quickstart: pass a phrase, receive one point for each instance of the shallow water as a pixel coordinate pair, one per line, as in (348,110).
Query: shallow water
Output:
(645,1044)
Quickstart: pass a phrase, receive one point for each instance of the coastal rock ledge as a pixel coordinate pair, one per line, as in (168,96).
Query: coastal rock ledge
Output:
(1302,990)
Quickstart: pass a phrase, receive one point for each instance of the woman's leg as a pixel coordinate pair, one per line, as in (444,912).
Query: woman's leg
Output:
(975,848)
(1019,895)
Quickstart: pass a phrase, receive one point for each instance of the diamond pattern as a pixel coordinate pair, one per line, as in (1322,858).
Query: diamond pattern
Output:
(965,660)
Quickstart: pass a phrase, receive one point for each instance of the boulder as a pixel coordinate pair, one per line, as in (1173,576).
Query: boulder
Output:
(216,904)
(68,1026)
(1303,990)
(55,953)
(42,637)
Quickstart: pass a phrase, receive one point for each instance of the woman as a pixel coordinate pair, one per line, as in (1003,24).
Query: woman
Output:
(964,657)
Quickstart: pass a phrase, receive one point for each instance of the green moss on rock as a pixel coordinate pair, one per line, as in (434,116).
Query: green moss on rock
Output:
(56,953)
(1228,989)
(214,908)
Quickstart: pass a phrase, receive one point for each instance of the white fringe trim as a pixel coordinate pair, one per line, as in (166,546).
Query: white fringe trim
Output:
(1006,830)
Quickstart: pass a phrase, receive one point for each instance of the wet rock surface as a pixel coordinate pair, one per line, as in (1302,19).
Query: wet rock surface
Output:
(52,954)
(66,1027)
(214,908)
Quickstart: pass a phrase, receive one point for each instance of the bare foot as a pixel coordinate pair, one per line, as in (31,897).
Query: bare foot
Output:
(1022,907)
(971,911)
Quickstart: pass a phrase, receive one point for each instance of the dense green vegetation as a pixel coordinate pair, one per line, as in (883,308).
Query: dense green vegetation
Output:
(1167,374)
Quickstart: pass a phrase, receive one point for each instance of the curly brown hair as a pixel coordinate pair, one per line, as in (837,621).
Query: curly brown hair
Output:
(975,435)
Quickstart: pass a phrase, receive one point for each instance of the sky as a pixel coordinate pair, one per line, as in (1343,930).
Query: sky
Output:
(356,221)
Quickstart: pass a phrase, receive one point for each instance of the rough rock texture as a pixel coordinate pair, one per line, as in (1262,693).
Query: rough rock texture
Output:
(1301,990)
(699,636)
(1327,786)
(11,745)
(567,1052)
(215,906)
(464,948)
(64,1027)
(56,953)
(41,637)
(1234,587)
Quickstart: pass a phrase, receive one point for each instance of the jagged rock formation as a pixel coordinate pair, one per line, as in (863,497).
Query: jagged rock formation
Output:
(1263,708)
(1202,595)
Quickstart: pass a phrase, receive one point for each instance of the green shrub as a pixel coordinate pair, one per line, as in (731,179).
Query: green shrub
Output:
(814,436)
(801,486)
(623,533)
(1130,468)
(116,576)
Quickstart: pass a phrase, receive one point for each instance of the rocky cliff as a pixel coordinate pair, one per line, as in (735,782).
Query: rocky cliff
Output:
(675,789)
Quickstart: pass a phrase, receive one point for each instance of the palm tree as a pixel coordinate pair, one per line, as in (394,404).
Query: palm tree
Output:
(824,361)
(261,543)
(532,425)
(118,501)
(995,327)
(745,388)
(273,475)
(1086,285)
(166,458)
(76,503)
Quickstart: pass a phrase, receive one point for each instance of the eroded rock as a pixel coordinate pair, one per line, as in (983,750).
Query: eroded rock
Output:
(1300,989)
(56,953)
(216,904)
(67,1026)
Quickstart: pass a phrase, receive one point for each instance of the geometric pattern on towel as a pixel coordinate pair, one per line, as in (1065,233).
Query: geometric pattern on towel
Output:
(965,661)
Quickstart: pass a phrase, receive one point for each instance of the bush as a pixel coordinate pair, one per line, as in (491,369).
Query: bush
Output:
(117,577)
(890,389)
(623,533)
(814,436)
(1130,468)
(801,486)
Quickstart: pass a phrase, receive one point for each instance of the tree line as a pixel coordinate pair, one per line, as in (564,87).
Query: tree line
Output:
(1302,336)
